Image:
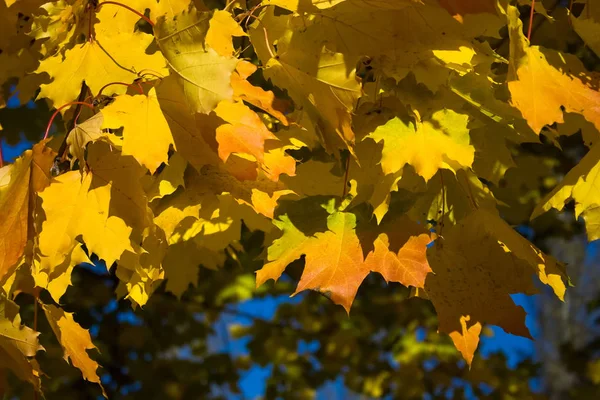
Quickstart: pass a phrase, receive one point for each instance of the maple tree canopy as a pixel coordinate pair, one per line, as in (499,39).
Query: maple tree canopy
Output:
(360,136)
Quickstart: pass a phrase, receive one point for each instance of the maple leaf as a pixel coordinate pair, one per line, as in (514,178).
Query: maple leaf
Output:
(187,129)
(57,280)
(206,213)
(395,32)
(182,264)
(368,181)
(322,84)
(442,141)
(537,88)
(88,131)
(244,131)
(334,258)
(466,287)
(203,73)
(61,24)
(14,213)
(117,53)
(580,185)
(19,184)
(75,341)
(479,91)
(255,95)
(449,199)
(587,25)
(206,217)
(140,269)
(146,133)
(399,252)
(492,154)
(222,27)
(168,180)
(105,205)
(17,344)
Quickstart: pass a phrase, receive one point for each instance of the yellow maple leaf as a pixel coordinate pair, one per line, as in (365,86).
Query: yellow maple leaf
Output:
(140,270)
(448,198)
(187,128)
(58,279)
(75,342)
(19,184)
(14,213)
(168,180)
(84,133)
(17,344)
(244,131)
(222,27)
(538,88)
(203,73)
(146,133)
(182,261)
(586,25)
(255,95)
(118,53)
(61,25)
(321,83)
(439,142)
(104,205)
(580,184)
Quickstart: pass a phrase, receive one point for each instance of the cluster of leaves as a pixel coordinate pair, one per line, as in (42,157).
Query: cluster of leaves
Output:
(359,135)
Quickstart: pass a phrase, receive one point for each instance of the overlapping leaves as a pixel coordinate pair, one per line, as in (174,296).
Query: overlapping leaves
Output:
(367,142)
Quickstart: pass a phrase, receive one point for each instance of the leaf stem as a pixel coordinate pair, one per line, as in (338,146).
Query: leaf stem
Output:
(531,20)
(142,16)
(265,32)
(36,293)
(58,110)
(90,30)
(345,191)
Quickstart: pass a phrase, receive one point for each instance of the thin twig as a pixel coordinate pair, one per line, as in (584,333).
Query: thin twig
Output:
(36,293)
(531,20)
(58,110)
(139,14)
(345,191)
(90,19)
(266,35)
(443,202)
